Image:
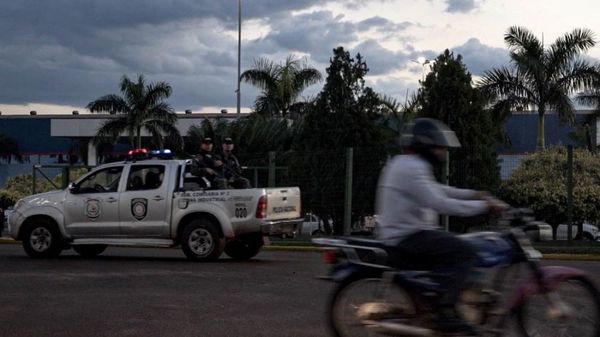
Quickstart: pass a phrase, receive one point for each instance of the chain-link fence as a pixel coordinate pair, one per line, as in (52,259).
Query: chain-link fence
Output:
(338,185)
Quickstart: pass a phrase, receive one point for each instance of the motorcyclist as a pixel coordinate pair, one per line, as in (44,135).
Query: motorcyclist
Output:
(409,200)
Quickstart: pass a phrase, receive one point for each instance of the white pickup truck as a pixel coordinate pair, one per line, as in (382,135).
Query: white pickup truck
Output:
(153,203)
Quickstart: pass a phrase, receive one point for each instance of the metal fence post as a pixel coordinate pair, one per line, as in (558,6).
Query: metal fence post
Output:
(446,181)
(348,194)
(65,177)
(33,179)
(570,191)
(272,177)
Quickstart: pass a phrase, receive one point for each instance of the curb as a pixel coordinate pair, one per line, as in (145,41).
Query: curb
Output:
(563,257)
(8,241)
(571,257)
(293,248)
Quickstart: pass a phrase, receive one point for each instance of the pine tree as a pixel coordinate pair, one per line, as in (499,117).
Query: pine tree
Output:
(447,94)
(342,116)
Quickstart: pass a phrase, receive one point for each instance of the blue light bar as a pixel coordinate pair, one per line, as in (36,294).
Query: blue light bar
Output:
(161,154)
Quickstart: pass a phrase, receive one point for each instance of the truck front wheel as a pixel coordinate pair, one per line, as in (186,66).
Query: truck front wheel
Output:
(244,248)
(42,239)
(200,241)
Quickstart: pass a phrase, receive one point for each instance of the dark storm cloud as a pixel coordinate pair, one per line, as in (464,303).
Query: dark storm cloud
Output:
(383,25)
(71,52)
(319,32)
(478,57)
(315,33)
(379,59)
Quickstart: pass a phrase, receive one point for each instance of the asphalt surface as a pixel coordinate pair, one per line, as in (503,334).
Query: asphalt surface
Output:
(157,292)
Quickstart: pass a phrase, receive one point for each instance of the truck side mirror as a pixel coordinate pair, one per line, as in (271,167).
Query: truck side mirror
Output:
(73,188)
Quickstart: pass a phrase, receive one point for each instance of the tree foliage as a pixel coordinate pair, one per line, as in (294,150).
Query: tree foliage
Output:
(342,116)
(540,183)
(141,107)
(447,94)
(541,77)
(281,85)
(9,149)
(20,186)
(252,135)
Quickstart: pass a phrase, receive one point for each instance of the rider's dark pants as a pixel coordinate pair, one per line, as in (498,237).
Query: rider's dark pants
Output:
(443,252)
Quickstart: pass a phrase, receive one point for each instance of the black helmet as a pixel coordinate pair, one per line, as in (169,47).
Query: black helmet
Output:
(428,132)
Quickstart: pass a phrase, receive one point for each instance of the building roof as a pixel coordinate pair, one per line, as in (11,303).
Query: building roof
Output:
(54,134)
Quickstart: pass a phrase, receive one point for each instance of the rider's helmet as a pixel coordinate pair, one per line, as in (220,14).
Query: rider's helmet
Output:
(425,135)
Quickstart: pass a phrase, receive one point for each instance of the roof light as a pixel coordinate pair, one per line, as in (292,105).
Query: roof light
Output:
(161,154)
(138,153)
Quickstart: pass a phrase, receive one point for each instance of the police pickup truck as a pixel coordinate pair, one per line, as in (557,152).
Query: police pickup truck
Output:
(153,203)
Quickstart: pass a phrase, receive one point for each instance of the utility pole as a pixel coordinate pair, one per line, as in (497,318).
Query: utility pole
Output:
(239,56)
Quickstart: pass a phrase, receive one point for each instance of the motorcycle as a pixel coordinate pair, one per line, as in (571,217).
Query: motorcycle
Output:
(508,293)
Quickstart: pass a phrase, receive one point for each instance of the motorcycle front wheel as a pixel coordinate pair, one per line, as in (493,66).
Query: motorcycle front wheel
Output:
(578,317)
(357,302)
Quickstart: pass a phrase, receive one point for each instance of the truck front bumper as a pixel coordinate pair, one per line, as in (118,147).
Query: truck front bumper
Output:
(281,227)
(13,224)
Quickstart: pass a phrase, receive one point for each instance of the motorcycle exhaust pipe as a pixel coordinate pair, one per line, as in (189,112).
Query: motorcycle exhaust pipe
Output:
(397,329)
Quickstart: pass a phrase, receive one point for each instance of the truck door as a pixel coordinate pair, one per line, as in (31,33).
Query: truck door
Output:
(144,205)
(92,205)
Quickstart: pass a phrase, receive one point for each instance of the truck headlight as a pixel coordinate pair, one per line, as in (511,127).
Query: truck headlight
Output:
(19,204)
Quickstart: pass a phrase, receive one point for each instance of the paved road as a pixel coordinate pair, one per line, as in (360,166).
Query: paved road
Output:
(156,292)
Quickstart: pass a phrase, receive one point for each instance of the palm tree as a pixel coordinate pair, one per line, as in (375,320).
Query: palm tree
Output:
(142,107)
(281,84)
(541,77)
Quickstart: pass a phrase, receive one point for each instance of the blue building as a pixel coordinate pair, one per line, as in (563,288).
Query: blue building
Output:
(52,139)
(56,139)
(522,132)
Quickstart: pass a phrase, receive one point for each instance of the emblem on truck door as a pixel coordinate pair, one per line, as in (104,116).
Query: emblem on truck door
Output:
(92,209)
(139,207)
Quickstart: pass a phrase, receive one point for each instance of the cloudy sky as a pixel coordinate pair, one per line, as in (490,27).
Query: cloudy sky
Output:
(56,56)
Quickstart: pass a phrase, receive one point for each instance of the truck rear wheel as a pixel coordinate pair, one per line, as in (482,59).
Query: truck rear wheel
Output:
(245,247)
(200,241)
(42,239)
(89,250)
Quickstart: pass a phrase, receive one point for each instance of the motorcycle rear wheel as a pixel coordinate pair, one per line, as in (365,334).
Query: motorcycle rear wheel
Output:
(350,300)
(580,295)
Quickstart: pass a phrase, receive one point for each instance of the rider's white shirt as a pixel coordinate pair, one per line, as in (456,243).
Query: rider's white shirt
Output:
(409,199)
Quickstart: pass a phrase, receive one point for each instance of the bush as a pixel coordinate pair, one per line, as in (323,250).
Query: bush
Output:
(7,198)
(19,186)
(540,184)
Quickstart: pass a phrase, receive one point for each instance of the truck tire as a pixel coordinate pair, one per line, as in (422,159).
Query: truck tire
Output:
(244,248)
(89,250)
(318,232)
(42,239)
(200,241)
(587,237)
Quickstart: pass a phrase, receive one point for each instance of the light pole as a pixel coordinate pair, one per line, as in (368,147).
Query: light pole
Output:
(239,56)
(422,62)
